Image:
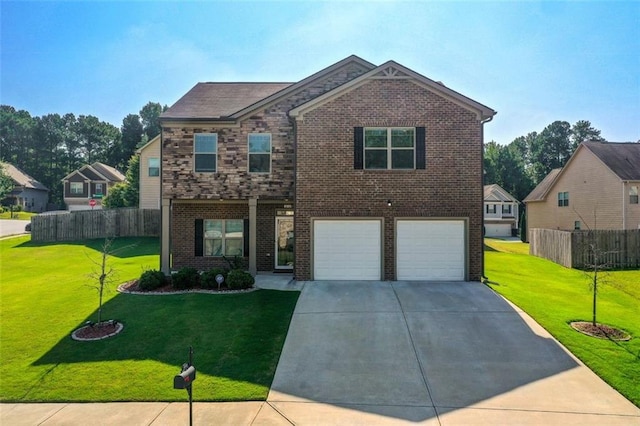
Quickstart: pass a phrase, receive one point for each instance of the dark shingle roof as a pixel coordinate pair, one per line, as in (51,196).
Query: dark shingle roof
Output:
(220,100)
(622,158)
(540,191)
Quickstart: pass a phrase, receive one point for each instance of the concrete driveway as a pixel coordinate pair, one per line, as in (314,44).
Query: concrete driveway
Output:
(12,227)
(431,353)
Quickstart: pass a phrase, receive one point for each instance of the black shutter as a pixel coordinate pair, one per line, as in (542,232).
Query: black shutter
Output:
(358,147)
(199,237)
(421,150)
(245,234)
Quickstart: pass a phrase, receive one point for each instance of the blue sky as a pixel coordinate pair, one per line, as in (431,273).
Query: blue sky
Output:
(534,62)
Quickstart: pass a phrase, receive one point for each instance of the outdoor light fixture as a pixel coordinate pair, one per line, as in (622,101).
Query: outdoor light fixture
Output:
(389,203)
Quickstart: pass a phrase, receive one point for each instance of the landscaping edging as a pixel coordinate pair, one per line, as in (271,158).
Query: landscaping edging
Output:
(119,326)
(122,288)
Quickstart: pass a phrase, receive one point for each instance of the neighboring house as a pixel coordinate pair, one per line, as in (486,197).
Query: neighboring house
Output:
(28,193)
(150,175)
(597,189)
(357,172)
(90,182)
(500,212)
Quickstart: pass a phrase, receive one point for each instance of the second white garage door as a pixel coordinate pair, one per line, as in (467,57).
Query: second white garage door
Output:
(430,250)
(347,250)
(497,230)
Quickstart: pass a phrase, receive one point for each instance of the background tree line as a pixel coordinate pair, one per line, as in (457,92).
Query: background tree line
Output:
(51,146)
(521,165)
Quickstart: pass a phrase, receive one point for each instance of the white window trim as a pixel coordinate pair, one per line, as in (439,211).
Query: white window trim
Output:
(206,153)
(634,195)
(222,237)
(71,186)
(249,153)
(388,148)
(149,167)
(99,185)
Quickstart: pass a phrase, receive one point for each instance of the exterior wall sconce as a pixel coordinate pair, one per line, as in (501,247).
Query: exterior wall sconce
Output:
(389,203)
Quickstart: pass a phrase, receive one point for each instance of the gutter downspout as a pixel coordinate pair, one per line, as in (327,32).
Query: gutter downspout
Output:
(483,277)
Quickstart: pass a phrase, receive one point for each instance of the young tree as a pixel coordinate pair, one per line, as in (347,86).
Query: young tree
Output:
(6,183)
(127,193)
(103,274)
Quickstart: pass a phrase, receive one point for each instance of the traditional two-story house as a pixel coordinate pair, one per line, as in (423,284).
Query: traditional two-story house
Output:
(357,172)
(89,182)
(597,189)
(500,212)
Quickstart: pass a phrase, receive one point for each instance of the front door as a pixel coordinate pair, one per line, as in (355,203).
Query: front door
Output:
(284,242)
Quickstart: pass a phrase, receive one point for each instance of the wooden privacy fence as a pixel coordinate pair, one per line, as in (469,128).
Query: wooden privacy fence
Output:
(616,249)
(88,224)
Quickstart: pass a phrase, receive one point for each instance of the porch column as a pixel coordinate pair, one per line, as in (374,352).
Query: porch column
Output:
(165,234)
(253,229)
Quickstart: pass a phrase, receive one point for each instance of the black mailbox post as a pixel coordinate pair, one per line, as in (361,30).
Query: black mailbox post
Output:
(185,379)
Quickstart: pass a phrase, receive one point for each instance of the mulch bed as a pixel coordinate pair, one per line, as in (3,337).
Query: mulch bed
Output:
(601,331)
(132,287)
(98,331)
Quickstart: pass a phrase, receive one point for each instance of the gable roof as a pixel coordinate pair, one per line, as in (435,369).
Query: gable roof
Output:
(20,178)
(230,101)
(495,192)
(220,100)
(392,69)
(622,158)
(148,144)
(539,193)
(97,171)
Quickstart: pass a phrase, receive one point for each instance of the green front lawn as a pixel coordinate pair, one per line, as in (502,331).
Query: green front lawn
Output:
(16,215)
(555,296)
(45,294)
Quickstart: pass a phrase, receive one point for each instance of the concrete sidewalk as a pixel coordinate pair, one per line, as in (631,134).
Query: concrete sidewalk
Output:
(379,353)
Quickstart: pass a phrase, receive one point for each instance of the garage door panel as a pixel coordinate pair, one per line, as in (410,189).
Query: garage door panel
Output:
(347,250)
(430,250)
(497,230)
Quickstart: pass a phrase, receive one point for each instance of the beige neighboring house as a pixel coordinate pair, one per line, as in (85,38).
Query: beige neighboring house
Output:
(597,189)
(500,212)
(28,193)
(150,174)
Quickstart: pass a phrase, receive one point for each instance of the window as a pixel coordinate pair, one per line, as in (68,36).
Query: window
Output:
(491,208)
(563,199)
(389,148)
(506,209)
(98,189)
(633,195)
(259,152)
(223,237)
(154,167)
(76,188)
(205,149)
(576,225)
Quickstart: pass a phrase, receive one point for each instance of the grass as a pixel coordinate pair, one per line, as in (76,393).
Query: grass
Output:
(45,295)
(555,296)
(16,215)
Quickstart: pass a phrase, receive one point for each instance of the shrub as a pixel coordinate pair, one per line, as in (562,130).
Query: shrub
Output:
(208,279)
(238,279)
(150,280)
(185,278)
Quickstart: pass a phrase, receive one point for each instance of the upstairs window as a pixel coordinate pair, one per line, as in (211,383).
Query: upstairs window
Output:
(491,208)
(633,195)
(154,167)
(205,151)
(76,188)
(389,148)
(506,209)
(98,189)
(224,237)
(259,153)
(563,199)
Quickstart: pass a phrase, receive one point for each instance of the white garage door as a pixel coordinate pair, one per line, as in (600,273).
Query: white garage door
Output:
(497,230)
(430,250)
(346,250)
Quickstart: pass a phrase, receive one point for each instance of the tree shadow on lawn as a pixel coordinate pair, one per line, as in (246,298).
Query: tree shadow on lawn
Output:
(123,247)
(237,336)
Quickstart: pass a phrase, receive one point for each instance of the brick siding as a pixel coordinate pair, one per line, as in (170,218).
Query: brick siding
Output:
(329,186)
